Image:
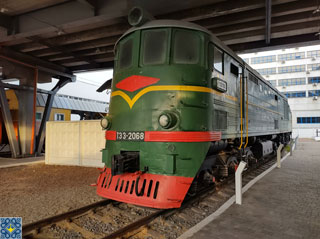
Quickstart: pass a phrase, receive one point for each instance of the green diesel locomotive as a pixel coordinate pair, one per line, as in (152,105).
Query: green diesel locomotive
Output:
(184,110)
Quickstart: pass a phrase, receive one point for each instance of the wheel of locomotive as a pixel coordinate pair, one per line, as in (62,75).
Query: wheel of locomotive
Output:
(232,164)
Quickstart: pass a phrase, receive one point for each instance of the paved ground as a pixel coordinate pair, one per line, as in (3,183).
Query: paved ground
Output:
(284,204)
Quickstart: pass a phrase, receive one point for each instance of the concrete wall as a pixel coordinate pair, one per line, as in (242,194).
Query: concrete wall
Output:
(304,107)
(304,133)
(74,143)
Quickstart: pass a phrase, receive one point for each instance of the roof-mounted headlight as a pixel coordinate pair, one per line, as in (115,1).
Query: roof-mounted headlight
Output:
(138,16)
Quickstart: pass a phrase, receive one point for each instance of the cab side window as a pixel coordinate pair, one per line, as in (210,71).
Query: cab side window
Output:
(216,58)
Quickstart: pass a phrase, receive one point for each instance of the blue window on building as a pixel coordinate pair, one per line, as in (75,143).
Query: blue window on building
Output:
(291,56)
(314,93)
(312,80)
(267,71)
(263,59)
(315,53)
(308,120)
(288,69)
(293,81)
(314,67)
(295,94)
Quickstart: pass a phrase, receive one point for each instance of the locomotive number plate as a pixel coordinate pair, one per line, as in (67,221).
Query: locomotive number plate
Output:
(130,136)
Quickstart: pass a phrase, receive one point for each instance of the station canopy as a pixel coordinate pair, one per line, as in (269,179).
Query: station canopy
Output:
(79,35)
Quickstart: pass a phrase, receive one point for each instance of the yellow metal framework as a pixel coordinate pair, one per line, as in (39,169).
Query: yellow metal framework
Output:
(246,114)
(241,116)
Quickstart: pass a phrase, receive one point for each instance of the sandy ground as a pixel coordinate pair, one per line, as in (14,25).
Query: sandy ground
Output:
(38,191)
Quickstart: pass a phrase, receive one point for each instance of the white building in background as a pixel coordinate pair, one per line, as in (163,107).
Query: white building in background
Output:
(296,73)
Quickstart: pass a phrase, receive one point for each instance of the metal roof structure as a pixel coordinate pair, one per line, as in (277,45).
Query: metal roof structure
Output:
(73,103)
(79,35)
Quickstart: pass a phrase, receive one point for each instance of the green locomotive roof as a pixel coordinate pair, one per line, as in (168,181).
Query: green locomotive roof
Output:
(186,25)
(192,26)
(167,23)
(181,24)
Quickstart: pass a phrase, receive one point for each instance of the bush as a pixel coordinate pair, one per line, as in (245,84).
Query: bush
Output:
(287,148)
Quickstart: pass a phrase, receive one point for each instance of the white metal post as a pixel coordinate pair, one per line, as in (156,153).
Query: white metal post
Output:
(291,146)
(296,142)
(239,171)
(279,156)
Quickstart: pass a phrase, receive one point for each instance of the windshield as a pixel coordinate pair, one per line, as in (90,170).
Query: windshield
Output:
(186,46)
(125,54)
(154,46)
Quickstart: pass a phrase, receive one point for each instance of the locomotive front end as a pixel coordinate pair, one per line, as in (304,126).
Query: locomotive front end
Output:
(158,130)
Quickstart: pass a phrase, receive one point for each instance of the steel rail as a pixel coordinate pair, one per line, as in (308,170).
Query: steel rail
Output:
(135,225)
(47,221)
(162,212)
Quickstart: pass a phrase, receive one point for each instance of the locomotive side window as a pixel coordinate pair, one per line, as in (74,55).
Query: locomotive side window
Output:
(253,79)
(218,60)
(234,69)
(186,47)
(154,47)
(126,53)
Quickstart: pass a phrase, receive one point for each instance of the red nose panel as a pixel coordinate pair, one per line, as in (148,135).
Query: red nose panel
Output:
(151,190)
(133,83)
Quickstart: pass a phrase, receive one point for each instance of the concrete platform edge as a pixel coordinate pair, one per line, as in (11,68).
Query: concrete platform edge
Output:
(189,233)
(21,164)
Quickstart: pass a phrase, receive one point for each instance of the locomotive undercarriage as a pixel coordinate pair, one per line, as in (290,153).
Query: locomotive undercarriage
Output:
(224,156)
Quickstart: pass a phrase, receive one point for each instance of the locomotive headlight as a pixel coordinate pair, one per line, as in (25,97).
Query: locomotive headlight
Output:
(105,123)
(164,120)
(167,120)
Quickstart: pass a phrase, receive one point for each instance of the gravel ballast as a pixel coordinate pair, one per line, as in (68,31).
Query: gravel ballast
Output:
(38,191)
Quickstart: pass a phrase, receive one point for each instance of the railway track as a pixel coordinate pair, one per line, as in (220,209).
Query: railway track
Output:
(108,219)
